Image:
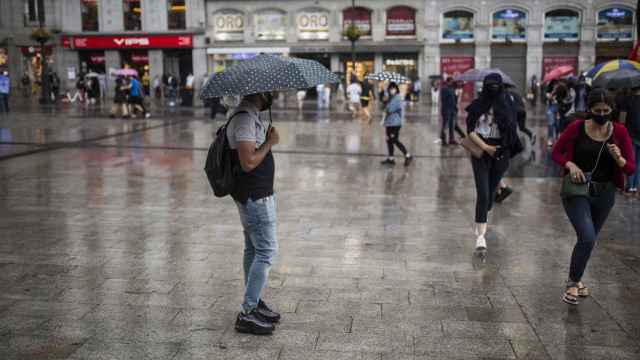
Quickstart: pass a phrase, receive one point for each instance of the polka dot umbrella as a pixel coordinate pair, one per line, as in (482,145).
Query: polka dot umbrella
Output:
(388,76)
(266,73)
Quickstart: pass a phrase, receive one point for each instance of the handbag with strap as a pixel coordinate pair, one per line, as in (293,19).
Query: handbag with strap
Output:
(571,189)
(472,148)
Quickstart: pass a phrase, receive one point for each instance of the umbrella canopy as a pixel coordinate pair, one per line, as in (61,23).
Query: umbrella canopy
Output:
(125,72)
(558,72)
(612,65)
(475,75)
(388,76)
(619,79)
(266,73)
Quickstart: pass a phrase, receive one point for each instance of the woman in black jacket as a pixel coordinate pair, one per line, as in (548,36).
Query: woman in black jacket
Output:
(492,126)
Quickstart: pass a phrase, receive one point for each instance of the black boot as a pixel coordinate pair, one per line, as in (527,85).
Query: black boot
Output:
(253,323)
(268,314)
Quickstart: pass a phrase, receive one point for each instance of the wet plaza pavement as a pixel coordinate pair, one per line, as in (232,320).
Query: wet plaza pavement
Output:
(112,246)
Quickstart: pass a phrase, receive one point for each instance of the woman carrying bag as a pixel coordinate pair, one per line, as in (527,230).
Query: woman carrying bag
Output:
(492,140)
(596,154)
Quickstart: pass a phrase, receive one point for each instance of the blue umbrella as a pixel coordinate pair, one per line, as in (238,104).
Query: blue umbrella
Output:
(266,73)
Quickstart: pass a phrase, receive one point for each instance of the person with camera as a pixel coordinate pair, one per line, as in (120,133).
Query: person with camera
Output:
(491,126)
(251,140)
(596,154)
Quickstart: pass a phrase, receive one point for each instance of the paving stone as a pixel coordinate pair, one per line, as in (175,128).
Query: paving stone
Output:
(126,351)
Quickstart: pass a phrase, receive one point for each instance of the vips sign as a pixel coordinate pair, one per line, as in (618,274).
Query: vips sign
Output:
(132,42)
(313,25)
(228,26)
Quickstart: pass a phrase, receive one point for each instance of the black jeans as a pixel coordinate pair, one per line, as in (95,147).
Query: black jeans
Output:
(448,121)
(487,173)
(587,215)
(393,138)
(522,125)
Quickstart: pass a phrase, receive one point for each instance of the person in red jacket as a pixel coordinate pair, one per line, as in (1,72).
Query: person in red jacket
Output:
(596,151)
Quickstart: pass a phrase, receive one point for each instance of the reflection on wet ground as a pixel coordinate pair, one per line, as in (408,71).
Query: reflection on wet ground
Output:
(112,246)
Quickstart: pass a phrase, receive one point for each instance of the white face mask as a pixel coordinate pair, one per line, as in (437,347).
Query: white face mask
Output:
(392,91)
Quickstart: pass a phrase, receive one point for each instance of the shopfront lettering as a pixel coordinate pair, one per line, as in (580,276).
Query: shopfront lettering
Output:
(313,24)
(132,42)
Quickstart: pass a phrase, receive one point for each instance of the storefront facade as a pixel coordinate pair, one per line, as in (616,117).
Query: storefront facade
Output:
(314,30)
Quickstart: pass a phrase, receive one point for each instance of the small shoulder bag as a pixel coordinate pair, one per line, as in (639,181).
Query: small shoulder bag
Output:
(571,189)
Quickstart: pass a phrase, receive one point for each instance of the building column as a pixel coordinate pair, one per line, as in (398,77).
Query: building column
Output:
(154,15)
(156,63)
(335,62)
(587,52)
(483,46)
(111,18)
(534,51)
(378,62)
(431,54)
(111,61)
(199,57)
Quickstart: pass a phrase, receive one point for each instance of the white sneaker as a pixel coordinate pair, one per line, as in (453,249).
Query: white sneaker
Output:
(147,115)
(481,243)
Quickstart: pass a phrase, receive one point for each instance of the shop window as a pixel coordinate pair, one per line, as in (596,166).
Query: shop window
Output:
(509,25)
(562,24)
(89,10)
(401,22)
(177,15)
(615,24)
(270,25)
(32,10)
(228,25)
(132,15)
(457,26)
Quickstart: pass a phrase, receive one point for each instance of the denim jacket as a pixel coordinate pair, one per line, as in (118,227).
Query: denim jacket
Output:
(394,111)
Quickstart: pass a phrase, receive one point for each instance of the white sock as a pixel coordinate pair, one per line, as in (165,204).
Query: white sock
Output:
(408,155)
(480,229)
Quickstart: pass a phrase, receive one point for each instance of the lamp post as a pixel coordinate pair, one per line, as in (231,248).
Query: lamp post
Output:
(42,36)
(353,34)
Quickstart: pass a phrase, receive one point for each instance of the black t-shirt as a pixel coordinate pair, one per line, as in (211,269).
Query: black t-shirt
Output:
(632,108)
(585,155)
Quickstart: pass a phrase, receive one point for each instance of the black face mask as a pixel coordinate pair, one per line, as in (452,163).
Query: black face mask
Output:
(267,99)
(493,89)
(601,119)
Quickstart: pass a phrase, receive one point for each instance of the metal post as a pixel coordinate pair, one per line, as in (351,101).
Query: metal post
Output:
(353,42)
(45,97)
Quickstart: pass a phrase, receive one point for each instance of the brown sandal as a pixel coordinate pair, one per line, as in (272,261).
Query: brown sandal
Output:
(568,297)
(583,291)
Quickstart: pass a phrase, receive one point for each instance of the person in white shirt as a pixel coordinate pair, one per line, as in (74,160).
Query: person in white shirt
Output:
(320,93)
(300,95)
(354,90)
(327,96)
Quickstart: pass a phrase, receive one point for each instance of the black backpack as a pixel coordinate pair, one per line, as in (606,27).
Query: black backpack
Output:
(220,167)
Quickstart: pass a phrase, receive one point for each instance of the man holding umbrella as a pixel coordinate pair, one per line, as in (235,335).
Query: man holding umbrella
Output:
(250,140)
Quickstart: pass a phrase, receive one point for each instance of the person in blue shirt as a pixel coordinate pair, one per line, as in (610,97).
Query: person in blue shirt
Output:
(136,99)
(393,115)
(5,88)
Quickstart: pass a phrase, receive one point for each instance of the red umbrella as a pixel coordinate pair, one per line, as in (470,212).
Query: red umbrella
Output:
(558,72)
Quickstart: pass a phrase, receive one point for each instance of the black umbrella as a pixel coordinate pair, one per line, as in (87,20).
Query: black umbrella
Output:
(618,79)
(266,73)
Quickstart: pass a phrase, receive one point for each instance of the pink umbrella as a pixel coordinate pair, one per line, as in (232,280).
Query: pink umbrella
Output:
(558,72)
(126,72)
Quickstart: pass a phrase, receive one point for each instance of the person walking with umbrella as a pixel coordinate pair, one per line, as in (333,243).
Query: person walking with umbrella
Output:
(250,140)
(393,118)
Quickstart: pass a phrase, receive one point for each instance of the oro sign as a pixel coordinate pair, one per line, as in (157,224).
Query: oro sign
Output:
(228,25)
(313,25)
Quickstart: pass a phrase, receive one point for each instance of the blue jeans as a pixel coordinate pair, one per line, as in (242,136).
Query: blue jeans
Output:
(260,246)
(587,215)
(635,178)
(552,121)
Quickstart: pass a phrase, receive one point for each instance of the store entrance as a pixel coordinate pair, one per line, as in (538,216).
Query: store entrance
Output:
(178,63)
